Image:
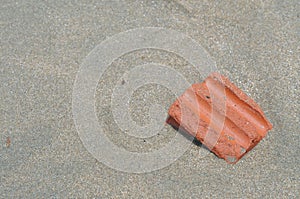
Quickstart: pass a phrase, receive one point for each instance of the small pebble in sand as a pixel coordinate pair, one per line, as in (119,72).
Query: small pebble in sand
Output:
(8,142)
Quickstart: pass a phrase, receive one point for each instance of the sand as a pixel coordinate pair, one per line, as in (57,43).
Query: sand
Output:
(43,45)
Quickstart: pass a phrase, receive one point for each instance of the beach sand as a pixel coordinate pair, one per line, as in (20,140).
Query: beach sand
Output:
(43,44)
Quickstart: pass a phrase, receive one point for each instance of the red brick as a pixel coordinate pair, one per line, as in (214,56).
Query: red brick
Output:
(220,116)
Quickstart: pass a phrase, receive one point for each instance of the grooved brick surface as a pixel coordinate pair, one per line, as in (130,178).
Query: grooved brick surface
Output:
(220,116)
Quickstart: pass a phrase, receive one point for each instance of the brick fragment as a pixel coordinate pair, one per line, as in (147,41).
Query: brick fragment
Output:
(221,116)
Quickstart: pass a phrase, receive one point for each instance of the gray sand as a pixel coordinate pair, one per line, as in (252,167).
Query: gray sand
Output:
(255,44)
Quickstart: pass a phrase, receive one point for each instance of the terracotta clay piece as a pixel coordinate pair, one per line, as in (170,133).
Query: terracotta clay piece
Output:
(220,116)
